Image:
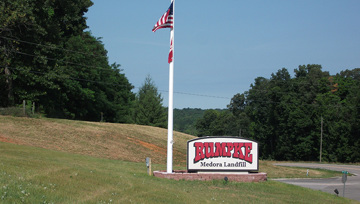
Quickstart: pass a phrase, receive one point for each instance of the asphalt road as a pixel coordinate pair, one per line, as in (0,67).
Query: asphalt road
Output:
(352,185)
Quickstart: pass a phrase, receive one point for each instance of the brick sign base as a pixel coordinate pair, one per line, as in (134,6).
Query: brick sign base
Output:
(179,175)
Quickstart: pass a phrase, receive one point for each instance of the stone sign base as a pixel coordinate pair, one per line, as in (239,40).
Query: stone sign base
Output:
(206,176)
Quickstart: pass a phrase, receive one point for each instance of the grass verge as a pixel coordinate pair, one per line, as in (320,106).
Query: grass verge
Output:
(36,175)
(294,172)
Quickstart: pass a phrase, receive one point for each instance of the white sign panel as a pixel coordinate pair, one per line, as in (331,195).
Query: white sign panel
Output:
(222,154)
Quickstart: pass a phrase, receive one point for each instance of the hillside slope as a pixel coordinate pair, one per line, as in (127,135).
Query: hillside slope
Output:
(126,142)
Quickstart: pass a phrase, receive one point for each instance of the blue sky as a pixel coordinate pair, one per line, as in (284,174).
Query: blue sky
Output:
(221,46)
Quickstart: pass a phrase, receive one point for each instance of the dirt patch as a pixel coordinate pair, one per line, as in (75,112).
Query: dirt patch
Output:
(152,147)
(8,140)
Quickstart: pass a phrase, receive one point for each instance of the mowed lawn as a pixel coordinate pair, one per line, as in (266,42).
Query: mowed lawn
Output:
(35,175)
(33,172)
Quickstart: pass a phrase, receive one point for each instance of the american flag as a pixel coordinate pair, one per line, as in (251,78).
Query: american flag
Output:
(166,20)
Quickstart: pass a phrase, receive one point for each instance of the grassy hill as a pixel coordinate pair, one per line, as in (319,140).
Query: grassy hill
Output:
(105,140)
(63,161)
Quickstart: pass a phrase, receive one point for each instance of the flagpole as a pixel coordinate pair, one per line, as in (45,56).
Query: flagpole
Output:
(170,141)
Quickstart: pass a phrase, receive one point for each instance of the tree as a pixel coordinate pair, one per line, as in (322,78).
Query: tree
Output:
(29,32)
(204,125)
(281,113)
(148,105)
(241,120)
(217,123)
(284,115)
(353,117)
(258,101)
(13,18)
(90,86)
(47,57)
(185,119)
(237,104)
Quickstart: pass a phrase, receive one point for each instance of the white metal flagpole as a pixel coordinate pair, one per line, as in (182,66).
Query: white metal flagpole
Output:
(170,141)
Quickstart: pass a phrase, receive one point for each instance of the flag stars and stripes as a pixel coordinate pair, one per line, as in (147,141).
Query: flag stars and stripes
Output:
(166,20)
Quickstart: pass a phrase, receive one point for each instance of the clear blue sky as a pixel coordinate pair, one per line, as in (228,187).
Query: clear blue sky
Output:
(221,46)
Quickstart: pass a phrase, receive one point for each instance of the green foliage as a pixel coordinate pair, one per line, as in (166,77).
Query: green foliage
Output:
(148,106)
(284,115)
(205,125)
(48,58)
(289,128)
(217,123)
(185,119)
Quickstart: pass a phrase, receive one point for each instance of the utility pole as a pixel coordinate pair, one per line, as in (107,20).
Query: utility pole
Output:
(321,136)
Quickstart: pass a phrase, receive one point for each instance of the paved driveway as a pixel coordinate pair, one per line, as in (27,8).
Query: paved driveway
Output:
(352,188)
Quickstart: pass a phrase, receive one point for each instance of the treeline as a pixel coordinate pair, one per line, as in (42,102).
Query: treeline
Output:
(48,58)
(185,119)
(288,116)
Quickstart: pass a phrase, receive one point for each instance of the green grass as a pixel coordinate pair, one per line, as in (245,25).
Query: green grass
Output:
(36,175)
(294,172)
(124,142)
